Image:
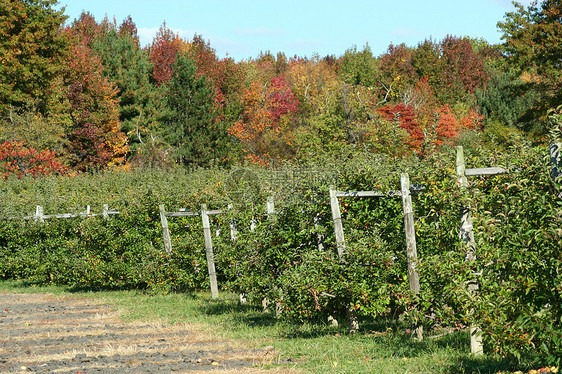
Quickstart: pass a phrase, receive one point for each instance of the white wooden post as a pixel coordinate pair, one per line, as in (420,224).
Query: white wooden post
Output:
(270,206)
(338,226)
(320,236)
(233,230)
(105,215)
(555,150)
(209,252)
(411,249)
(340,243)
(467,235)
(165,230)
(39,213)
(233,237)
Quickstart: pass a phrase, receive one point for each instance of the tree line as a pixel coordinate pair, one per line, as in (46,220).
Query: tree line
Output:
(85,95)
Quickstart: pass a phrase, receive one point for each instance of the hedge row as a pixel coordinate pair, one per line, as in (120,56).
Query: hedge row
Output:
(517,220)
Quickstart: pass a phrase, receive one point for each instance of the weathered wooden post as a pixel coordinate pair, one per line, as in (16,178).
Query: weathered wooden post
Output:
(320,236)
(165,230)
(233,230)
(270,209)
(270,206)
(555,150)
(39,213)
(338,226)
(467,235)
(209,252)
(105,213)
(340,243)
(411,249)
(233,237)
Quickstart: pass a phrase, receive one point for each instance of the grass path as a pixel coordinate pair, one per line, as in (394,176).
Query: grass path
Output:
(383,347)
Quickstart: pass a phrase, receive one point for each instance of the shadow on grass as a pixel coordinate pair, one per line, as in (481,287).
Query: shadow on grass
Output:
(485,365)
(240,314)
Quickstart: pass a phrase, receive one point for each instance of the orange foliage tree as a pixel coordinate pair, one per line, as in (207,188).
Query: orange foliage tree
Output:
(95,139)
(267,124)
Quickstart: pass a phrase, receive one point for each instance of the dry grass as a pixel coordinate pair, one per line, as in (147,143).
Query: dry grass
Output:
(77,328)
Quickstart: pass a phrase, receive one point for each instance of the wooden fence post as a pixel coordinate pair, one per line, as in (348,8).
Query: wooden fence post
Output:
(165,230)
(338,226)
(411,250)
(467,235)
(39,213)
(320,236)
(105,215)
(270,206)
(209,252)
(555,150)
(233,237)
(340,243)
(233,230)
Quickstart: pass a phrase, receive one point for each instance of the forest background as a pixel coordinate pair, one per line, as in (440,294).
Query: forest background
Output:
(85,96)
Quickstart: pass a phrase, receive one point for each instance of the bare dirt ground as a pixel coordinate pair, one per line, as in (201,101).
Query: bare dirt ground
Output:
(51,334)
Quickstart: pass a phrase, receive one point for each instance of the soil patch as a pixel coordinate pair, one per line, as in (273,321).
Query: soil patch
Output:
(52,334)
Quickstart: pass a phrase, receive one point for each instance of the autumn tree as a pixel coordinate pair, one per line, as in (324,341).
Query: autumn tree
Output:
(31,53)
(309,81)
(163,53)
(191,124)
(533,43)
(18,160)
(463,71)
(405,117)
(95,138)
(266,127)
(398,76)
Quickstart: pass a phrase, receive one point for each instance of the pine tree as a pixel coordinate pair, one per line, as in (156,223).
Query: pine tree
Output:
(191,123)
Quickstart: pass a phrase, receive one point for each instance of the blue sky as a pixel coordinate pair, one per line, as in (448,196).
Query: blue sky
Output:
(243,28)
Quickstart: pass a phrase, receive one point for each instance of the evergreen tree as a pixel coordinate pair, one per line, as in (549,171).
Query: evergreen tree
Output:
(128,66)
(191,122)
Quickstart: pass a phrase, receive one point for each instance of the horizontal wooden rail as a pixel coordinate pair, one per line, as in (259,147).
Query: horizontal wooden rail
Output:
(413,188)
(484,171)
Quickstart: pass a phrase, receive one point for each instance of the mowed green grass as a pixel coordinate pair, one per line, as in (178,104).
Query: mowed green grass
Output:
(380,347)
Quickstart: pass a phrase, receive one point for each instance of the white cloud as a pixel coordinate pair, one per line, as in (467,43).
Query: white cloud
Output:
(146,35)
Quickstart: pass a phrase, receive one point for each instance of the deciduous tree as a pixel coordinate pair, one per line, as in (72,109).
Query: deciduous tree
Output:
(266,127)
(533,43)
(31,50)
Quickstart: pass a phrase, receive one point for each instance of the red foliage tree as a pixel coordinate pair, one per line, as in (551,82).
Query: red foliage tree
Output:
(406,117)
(397,62)
(462,65)
(163,53)
(18,160)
